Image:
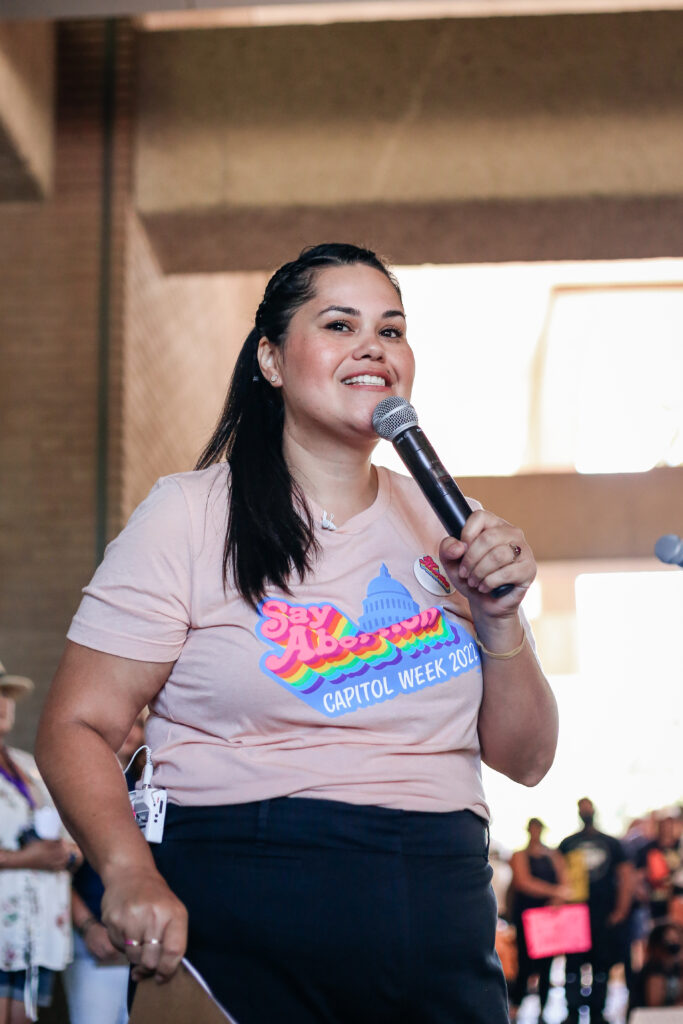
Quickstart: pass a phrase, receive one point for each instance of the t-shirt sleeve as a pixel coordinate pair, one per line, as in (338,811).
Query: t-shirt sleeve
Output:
(618,852)
(138,603)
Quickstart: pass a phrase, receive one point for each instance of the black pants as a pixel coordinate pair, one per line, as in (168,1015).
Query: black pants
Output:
(317,912)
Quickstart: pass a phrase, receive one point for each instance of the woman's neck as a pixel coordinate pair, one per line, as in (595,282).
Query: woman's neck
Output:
(344,483)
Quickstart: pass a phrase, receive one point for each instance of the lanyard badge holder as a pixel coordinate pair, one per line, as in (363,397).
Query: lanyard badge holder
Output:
(148,803)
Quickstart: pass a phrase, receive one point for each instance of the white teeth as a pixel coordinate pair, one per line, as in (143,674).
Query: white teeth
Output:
(365,378)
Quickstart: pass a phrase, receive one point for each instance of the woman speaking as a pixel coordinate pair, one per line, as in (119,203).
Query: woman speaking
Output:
(325,672)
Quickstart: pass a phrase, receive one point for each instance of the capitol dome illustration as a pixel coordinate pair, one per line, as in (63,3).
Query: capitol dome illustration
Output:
(387,601)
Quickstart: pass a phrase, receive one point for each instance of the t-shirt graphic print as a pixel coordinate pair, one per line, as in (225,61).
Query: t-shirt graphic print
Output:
(337,666)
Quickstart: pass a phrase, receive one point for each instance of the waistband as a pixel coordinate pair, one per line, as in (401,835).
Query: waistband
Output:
(302,822)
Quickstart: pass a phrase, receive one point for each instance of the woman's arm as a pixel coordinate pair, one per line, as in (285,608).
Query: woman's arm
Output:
(560,869)
(525,882)
(91,706)
(40,855)
(93,932)
(655,990)
(518,722)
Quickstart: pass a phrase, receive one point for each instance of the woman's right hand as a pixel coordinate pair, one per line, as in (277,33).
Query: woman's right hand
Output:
(45,855)
(561,895)
(145,921)
(98,943)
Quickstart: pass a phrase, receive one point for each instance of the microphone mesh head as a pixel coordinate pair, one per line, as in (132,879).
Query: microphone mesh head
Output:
(393,415)
(669,548)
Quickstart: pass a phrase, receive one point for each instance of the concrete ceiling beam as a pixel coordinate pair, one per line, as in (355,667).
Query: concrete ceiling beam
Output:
(173,14)
(259,238)
(27,65)
(601,516)
(441,141)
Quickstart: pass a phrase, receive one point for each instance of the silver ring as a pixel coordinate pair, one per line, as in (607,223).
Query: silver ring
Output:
(152,942)
(131,942)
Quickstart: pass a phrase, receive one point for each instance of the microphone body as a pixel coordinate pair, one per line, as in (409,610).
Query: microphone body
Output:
(435,482)
(395,420)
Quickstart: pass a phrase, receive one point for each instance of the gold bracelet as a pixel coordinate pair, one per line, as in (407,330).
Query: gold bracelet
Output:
(505,654)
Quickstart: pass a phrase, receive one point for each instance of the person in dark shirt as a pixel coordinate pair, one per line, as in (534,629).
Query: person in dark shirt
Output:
(538,879)
(600,875)
(657,864)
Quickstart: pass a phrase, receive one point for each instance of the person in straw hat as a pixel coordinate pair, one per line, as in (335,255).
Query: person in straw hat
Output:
(35,932)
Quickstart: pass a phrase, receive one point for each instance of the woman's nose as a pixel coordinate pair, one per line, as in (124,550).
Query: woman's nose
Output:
(369,347)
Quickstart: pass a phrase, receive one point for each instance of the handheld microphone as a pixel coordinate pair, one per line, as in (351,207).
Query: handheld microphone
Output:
(669,549)
(395,420)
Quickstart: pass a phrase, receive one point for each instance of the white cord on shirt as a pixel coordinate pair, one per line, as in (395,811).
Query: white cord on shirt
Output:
(326,521)
(149,767)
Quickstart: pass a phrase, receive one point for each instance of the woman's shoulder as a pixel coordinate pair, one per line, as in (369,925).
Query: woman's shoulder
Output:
(176,497)
(196,484)
(24,760)
(168,525)
(401,490)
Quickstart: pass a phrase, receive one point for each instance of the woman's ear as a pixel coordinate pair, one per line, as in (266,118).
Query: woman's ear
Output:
(268,362)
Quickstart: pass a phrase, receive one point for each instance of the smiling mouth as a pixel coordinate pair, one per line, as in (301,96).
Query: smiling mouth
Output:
(367,378)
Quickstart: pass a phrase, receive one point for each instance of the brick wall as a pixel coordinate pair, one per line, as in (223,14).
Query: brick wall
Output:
(182,334)
(48,315)
(68,479)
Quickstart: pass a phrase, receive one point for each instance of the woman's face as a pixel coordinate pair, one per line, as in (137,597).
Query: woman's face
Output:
(666,832)
(345,349)
(535,832)
(6,714)
(671,942)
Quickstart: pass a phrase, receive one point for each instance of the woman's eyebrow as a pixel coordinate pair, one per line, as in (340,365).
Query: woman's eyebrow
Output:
(350,311)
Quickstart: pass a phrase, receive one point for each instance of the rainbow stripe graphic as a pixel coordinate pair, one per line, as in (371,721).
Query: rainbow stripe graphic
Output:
(337,666)
(317,644)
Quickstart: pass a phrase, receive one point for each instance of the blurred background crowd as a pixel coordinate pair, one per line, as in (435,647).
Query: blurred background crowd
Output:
(629,889)
(50,897)
(632,886)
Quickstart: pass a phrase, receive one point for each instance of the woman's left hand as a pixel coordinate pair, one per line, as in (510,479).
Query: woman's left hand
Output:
(490,553)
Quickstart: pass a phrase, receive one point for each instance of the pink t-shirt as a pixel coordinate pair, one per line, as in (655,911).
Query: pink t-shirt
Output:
(363,685)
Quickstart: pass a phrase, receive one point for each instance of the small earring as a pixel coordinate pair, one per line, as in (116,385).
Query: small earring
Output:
(273,378)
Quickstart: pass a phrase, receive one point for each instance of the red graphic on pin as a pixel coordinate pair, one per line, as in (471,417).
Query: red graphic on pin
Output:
(430,575)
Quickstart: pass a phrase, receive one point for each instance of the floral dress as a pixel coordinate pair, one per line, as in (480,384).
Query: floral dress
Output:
(35,906)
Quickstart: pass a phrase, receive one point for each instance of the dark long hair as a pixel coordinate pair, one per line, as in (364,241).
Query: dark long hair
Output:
(270,534)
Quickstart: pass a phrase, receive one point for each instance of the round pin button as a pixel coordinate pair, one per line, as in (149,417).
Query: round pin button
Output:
(430,575)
